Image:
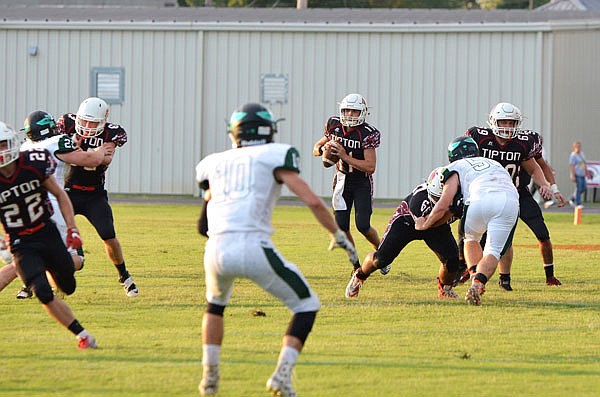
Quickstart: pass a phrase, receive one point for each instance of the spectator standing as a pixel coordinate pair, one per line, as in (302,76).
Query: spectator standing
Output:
(578,166)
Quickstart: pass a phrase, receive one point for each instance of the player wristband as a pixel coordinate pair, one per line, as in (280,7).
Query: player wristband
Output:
(554,188)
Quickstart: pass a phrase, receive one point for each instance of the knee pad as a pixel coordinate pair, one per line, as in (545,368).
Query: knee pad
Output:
(215,309)
(41,288)
(301,325)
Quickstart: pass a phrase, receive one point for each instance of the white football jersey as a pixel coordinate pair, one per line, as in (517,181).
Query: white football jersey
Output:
(478,175)
(54,144)
(243,186)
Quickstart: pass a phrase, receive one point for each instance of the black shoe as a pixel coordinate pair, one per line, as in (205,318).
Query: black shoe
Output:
(128,285)
(24,293)
(505,284)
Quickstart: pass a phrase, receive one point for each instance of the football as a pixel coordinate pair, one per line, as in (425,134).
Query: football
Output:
(328,158)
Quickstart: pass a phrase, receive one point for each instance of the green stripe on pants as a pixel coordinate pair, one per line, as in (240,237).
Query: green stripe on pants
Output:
(290,278)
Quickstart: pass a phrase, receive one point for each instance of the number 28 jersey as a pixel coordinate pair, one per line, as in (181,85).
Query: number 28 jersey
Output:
(87,176)
(24,202)
(510,155)
(243,187)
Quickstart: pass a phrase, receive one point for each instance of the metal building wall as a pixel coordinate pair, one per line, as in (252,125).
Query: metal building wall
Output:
(575,111)
(161,111)
(181,84)
(423,89)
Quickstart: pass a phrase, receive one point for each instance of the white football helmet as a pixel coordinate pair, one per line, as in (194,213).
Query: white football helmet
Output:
(92,110)
(355,102)
(505,111)
(9,151)
(435,185)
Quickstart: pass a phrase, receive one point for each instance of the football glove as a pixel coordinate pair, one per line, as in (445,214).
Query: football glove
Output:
(73,238)
(340,240)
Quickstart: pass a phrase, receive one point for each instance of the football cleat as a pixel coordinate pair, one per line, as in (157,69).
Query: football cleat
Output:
(354,285)
(129,286)
(87,342)
(209,385)
(385,270)
(553,281)
(504,283)
(473,296)
(280,383)
(24,293)
(445,291)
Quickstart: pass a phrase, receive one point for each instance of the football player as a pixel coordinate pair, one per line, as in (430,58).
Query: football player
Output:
(240,181)
(35,243)
(401,231)
(491,204)
(515,151)
(355,142)
(85,185)
(40,128)
(531,214)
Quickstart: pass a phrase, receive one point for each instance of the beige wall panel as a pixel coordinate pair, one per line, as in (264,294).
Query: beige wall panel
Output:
(423,90)
(576,96)
(163,101)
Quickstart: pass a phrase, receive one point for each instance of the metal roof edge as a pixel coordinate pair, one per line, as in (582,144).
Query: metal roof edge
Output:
(411,27)
(294,27)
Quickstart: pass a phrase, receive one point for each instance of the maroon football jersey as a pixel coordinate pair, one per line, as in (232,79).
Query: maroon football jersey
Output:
(24,202)
(510,155)
(524,177)
(89,177)
(354,140)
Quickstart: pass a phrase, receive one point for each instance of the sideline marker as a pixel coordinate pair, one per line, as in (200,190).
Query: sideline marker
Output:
(577,215)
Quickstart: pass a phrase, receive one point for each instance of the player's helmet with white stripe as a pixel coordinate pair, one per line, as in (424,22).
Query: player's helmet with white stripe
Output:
(10,143)
(505,111)
(462,147)
(93,110)
(251,124)
(354,102)
(435,185)
(39,125)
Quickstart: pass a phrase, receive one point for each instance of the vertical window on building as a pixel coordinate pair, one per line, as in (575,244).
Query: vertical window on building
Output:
(274,88)
(108,84)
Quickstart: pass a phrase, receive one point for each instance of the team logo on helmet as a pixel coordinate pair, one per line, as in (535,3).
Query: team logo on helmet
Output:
(39,125)
(251,124)
(462,147)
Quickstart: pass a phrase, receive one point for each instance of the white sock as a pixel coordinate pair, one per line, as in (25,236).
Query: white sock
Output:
(210,355)
(288,355)
(83,334)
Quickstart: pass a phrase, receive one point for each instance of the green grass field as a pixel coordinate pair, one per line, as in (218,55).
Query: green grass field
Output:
(396,339)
